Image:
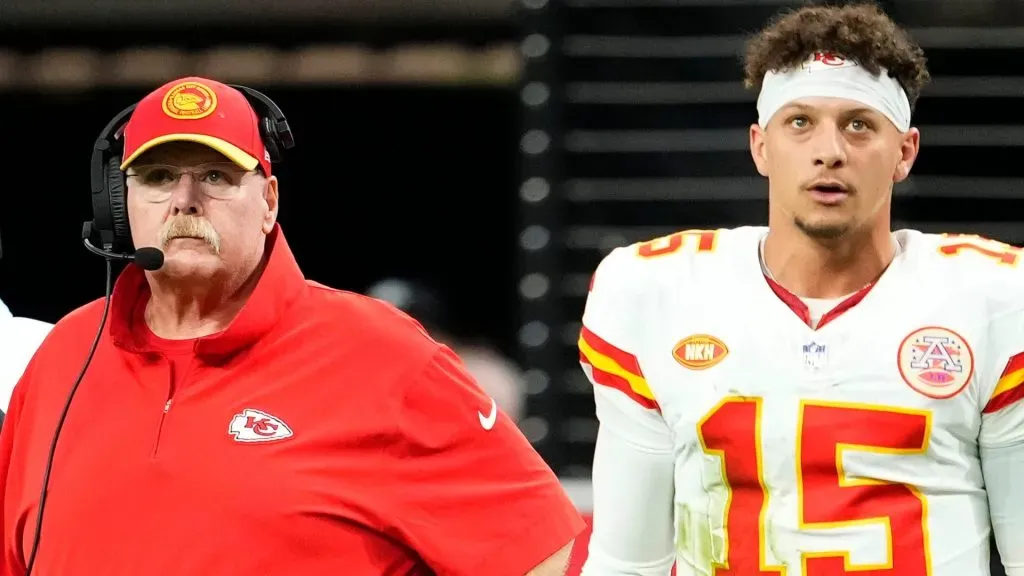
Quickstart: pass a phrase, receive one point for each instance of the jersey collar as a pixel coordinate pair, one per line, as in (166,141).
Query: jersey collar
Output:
(278,287)
(799,307)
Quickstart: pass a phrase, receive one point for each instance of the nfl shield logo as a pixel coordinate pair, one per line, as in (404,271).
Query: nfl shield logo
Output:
(815,355)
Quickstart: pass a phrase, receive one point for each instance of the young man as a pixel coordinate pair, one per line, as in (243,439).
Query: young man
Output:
(822,396)
(238,419)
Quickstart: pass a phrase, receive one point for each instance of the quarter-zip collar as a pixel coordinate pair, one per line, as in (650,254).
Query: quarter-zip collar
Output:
(280,284)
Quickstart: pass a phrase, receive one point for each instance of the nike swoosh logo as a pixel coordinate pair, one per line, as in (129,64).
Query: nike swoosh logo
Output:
(487,422)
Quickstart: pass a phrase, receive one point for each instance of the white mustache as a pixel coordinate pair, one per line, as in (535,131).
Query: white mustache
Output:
(190,227)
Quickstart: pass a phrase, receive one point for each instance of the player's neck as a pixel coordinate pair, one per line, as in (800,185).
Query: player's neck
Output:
(812,269)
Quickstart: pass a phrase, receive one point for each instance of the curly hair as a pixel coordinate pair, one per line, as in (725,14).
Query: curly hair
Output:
(860,32)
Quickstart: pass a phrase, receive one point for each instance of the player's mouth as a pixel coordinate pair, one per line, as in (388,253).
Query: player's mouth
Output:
(828,192)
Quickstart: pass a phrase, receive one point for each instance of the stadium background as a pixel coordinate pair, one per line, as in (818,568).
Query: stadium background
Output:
(491,150)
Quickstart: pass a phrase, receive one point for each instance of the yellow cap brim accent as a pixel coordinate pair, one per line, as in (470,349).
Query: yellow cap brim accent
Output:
(232,152)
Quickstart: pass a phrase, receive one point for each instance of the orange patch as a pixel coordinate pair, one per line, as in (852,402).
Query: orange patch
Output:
(700,351)
(190,101)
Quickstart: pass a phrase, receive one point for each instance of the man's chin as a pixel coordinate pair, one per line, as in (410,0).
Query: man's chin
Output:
(824,230)
(188,263)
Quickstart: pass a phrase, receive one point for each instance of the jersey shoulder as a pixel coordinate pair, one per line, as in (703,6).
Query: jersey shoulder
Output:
(971,266)
(680,257)
(18,332)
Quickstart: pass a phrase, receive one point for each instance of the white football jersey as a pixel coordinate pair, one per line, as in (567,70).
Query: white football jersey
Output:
(852,447)
(19,339)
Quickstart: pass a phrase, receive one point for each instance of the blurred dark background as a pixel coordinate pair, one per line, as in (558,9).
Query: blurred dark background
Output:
(489,149)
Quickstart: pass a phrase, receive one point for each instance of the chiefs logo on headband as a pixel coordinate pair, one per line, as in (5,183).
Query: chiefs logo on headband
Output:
(827,60)
(189,101)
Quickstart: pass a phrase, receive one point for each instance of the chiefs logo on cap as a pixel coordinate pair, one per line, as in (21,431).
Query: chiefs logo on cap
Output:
(190,101)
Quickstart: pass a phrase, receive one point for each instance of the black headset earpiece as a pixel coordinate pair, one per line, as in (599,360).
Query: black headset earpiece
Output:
(274,129)
(109,227)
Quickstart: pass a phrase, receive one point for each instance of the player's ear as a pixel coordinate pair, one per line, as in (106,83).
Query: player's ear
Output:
(909,147)
(758,150)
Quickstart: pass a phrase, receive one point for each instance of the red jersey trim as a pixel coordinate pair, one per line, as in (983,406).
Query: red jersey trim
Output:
(1010,387)
(800,309)
(615,368)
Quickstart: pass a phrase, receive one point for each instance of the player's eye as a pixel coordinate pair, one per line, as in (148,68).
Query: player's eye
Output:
(799,121)
(859,125)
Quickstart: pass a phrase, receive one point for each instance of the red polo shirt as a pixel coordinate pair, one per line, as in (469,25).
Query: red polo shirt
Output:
(322,433)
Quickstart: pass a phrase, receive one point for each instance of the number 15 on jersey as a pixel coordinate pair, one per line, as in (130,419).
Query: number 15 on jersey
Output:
(826,496)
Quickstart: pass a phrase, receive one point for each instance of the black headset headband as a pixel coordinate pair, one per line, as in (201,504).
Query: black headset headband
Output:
(109,227)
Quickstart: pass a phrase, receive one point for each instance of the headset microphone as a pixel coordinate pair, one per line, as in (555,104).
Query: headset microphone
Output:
(147,257)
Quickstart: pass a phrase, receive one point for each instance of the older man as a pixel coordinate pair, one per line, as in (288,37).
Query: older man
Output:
(239,419)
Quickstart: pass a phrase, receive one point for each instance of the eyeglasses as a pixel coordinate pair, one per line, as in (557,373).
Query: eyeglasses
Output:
(156,182)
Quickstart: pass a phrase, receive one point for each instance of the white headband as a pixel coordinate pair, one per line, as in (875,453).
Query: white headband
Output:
(828,75)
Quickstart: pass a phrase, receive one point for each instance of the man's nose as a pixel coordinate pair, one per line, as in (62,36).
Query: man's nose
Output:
(829,147)
(185,197)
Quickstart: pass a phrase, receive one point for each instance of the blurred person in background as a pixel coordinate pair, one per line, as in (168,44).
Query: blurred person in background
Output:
(499,376)
(19,339)
(823,395)
(240,419)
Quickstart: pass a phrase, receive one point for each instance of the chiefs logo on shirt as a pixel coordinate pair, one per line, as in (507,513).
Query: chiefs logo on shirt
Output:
(256,426)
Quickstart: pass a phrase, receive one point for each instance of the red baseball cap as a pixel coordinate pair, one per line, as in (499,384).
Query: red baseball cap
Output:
(197,110)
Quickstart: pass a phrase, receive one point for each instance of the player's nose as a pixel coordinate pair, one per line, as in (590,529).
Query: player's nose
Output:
(828,148)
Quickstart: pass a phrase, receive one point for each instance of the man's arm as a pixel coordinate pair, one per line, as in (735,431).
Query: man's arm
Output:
(555,565)
(1001,443)
(1003,468)
(633,461)
(463,488)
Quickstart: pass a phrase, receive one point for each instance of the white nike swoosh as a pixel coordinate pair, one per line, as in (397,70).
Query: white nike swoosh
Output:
(487,422)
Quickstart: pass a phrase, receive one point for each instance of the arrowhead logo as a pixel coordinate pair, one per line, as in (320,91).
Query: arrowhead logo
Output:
(256,426)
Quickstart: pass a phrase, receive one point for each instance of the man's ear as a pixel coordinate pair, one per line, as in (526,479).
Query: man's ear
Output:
(270,196)
(758,149)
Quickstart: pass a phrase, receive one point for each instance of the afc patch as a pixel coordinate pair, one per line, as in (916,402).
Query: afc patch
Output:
(936,362)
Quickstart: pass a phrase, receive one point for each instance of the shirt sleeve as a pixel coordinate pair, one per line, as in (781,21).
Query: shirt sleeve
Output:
(467,492)
(1003,468)
(1001,440)
(633,461)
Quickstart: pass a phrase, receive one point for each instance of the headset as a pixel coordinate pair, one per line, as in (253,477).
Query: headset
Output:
(109,228)
(108,235)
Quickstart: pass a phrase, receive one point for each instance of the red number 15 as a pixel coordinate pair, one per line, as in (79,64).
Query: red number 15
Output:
(827,498)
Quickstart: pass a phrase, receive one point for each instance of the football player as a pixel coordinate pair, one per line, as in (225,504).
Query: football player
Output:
(821,396)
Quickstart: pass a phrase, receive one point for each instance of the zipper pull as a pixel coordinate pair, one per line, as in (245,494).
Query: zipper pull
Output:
(167,406)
